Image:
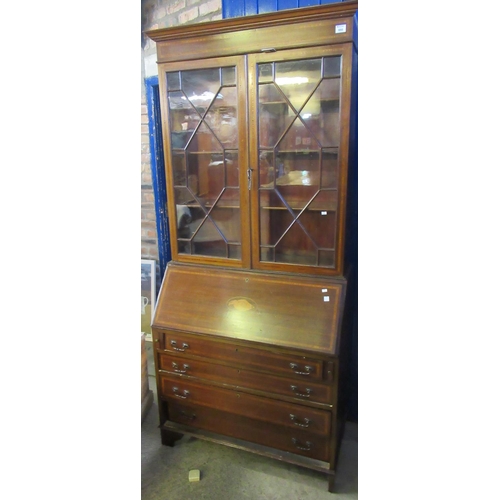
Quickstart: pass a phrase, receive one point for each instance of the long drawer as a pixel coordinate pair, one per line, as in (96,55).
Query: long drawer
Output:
(299,367)
(304,390)
(255,407)
(296,440)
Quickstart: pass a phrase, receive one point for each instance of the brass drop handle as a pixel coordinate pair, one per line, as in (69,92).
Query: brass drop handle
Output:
(307,448)
(187,415)
(176,392)
(308,369)
(173,343)
(177,369)
(296,422)
(306,395)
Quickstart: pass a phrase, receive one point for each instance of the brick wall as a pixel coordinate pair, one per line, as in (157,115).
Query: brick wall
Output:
(161,14)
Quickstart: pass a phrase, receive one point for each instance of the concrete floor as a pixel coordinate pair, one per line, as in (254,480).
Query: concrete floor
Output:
(231,474)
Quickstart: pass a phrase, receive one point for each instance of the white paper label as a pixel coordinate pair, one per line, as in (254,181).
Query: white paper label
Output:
(341,28)
(323,213)
(324,290)
(326,298)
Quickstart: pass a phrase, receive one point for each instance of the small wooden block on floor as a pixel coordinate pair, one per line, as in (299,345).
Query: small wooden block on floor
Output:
(194,475)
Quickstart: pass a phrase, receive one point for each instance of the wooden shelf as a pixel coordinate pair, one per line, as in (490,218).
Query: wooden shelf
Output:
(298,207)
(273,103)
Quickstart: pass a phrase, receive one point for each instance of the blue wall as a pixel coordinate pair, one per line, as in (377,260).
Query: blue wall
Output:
(236,8)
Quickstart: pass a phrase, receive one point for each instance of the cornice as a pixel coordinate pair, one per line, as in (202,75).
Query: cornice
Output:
(303,14)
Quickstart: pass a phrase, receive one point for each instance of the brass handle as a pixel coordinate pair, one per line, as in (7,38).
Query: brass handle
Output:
(294,389)
(295,421)
(308,369)
(187,415)
(307,448)
(177,369)
(173,343)
(176,392)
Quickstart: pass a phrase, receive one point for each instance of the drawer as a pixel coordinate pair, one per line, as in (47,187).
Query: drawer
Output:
(296,440)
(290,415)
(304,390)
(299,367)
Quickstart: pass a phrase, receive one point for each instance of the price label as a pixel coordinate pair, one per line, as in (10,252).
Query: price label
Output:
(340,28)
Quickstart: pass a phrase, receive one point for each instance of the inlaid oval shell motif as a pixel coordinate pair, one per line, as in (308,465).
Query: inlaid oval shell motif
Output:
(241,304)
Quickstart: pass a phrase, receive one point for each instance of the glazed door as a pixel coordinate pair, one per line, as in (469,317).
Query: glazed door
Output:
(299,106)
(206,134)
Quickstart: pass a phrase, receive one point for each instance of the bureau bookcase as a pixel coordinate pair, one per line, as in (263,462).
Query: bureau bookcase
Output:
(250,336)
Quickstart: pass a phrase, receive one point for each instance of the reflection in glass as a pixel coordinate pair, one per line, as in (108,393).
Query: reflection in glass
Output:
(203,117)
(299,137)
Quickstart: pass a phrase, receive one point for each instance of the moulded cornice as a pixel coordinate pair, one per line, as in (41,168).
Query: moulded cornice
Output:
(303,14)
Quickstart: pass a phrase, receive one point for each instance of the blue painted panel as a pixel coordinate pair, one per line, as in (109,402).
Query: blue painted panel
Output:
(237,8)
(233,8)
(308,3)
(158,172)
(251,7)
(287,4)
(268,6)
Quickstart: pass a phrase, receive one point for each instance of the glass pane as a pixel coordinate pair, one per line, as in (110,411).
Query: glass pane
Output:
(232,169)
(275,115)
(275,218)
(183,246)
(201,86)
(179,170)
(324,201)
(222,117)
(267,254)
(209,241)
(266,169)
(329,168)
(229,76)
(331,66)
(173,81)
(183,119)
(298,138)
(326,258)
(296,247)
(203,111)
(297,79)
(227,221)
(265,72)
(320,227)
(234,251)
(298,177)
(299,135)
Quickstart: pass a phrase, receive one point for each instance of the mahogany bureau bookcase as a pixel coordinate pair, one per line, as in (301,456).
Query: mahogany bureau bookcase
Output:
(259,135)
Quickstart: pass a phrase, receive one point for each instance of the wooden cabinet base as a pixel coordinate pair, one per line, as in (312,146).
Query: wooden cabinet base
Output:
(175,429)
(169,437)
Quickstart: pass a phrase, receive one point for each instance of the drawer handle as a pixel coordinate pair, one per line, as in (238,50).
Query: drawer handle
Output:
(296,422)
(187,415)
(308,369)
(177,369)
(294,389)
(308,446)
(176,392)
(173,343)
